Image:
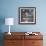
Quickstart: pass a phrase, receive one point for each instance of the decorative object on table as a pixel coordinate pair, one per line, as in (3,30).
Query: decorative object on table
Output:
(27,15)
(9,21)
(30,33)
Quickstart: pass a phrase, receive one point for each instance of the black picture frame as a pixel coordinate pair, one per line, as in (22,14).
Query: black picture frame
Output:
(27,15)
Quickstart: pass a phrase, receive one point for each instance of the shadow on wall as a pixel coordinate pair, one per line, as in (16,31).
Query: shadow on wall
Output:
(2,21)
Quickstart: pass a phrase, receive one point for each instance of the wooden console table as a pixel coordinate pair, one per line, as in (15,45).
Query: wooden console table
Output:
(20,39)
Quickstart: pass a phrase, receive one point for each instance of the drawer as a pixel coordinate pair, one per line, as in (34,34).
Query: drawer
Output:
(9,43)
(37,43)
(33,43)
(13,43)
(16,37)
(33,37)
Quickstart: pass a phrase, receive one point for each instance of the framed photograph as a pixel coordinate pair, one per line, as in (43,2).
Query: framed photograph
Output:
(27,15)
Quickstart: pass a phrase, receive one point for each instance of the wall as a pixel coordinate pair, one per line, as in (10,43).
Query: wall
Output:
(9,8)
